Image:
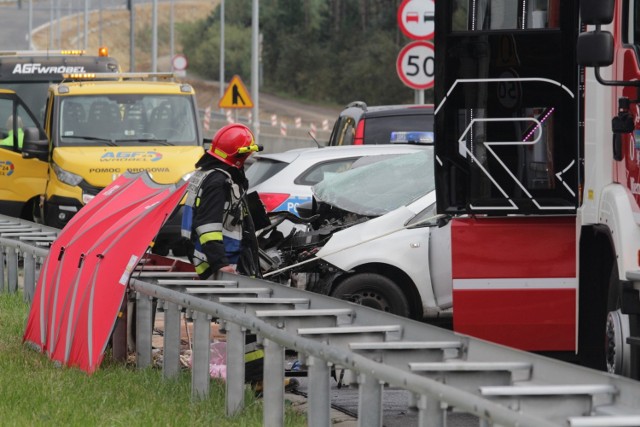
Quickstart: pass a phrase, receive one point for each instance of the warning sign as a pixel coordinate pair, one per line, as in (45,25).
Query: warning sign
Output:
(236,95)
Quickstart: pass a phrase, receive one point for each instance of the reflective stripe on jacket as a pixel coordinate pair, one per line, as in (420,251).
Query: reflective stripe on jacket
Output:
(212,219)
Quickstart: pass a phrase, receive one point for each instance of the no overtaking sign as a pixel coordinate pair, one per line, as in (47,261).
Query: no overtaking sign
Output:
(416,19)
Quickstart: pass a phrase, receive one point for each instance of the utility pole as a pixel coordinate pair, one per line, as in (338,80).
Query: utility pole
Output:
(100,24)
(221,50)
(255,30)
(30,24)
(86,25)
(154,38)
(171,35)
(51,26)
(132,33)
(59,22)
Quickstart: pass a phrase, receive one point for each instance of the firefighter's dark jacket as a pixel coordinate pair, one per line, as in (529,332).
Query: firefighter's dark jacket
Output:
(215,192)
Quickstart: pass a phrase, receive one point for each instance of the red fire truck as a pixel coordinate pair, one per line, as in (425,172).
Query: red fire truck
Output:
(537,125)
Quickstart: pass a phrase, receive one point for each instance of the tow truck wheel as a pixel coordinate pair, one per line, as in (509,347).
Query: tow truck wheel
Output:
(618,352)
(375,291)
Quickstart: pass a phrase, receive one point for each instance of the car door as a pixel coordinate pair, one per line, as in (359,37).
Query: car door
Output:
(21,180)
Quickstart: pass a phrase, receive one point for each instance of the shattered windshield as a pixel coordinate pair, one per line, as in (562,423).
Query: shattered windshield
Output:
(381,187)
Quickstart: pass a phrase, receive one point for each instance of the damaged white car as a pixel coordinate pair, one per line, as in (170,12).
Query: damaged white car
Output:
(372,236)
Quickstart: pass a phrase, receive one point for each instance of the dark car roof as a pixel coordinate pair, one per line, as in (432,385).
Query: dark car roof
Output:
(398,109)
(360,124)
(358,109)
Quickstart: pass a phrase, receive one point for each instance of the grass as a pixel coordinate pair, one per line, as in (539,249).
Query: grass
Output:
(33,392)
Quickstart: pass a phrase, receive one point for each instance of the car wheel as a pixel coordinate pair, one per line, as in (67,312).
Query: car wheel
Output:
(375,291)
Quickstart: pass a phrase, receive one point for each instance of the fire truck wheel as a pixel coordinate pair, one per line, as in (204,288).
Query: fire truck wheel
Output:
(617,350)
(375,291)
(620,355)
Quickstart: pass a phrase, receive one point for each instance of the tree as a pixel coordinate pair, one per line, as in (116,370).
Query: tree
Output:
(331,51)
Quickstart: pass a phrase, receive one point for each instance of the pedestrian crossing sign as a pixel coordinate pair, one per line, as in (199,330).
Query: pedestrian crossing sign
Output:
(236,95)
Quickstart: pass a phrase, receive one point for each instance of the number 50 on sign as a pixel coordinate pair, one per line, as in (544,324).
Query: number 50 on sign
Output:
(416,63)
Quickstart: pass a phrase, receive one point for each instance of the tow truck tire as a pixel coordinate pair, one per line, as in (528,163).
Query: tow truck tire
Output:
(375,291)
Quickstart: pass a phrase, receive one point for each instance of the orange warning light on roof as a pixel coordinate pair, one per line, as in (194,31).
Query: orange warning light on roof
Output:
(103,51)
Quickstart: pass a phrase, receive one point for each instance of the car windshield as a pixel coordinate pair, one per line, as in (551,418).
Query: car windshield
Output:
(125,119)
(378,188)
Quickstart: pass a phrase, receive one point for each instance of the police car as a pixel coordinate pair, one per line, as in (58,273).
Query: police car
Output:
(284,180)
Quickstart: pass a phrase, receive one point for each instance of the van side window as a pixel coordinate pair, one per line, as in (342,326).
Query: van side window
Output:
(12,132)
(344,131)
(6,122)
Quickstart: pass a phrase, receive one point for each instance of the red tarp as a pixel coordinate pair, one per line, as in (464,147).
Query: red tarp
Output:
(83,280)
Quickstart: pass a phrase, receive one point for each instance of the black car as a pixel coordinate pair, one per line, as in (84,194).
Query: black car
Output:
(383,124)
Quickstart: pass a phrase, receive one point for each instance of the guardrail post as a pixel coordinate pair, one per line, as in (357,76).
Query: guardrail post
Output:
(235,368)
(430,414)
(369,401)
(144,330)
(119,334)
(200,356)
(29,268)
(12,272)
(273,383)
(171,356)
(319,392)
(2,268)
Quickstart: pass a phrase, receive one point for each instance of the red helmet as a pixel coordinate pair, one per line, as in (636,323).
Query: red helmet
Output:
(233,144)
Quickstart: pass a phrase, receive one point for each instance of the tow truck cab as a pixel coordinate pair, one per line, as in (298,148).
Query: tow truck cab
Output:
(29,73)
(98,129)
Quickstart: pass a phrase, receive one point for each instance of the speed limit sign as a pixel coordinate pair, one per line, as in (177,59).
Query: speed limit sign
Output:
(416,64)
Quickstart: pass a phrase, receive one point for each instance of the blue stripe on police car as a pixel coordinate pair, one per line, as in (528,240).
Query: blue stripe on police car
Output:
(291,204)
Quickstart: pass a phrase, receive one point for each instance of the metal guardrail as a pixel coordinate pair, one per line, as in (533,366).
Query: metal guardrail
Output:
(22,242)
(270,137)
(501,386)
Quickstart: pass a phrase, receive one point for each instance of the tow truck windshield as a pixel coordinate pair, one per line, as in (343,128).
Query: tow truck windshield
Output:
(126,120)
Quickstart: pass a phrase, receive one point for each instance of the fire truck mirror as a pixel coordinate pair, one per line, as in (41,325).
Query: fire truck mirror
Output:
(595,49)
(596,12)
(623,123)
(617,147)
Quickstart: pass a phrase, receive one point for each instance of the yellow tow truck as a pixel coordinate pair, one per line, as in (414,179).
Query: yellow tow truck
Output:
(96,127)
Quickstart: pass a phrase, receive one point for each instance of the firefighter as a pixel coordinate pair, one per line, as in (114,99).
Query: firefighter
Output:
(216,219)
(216,216)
